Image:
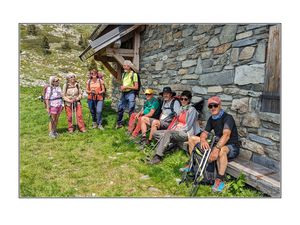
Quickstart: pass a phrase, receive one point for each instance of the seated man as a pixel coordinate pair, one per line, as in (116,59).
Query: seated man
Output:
(149,110)
(226,148)
(182,126)
(170,108)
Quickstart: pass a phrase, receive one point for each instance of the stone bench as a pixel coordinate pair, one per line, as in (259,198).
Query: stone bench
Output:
(262,178)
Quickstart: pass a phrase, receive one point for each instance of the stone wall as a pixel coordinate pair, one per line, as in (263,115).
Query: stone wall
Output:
(224,60)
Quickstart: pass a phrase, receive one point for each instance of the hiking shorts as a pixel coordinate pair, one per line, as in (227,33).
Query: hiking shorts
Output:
(233,151)
(163,125)
(55,110)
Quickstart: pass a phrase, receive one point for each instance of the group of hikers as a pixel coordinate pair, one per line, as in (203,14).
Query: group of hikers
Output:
(171,120)
(70,96)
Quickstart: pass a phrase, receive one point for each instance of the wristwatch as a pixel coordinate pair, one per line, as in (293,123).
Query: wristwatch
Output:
(218,146)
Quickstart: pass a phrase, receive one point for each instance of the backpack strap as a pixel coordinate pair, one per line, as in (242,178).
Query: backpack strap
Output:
(51,92)
(172,104)
(89,84)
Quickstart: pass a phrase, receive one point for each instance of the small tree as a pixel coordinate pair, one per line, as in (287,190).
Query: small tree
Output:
(45,46)
(31,30)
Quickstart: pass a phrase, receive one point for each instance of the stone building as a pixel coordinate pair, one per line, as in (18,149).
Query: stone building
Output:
(238,62)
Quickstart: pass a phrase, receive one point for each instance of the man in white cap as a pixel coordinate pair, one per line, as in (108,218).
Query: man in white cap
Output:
(128,88)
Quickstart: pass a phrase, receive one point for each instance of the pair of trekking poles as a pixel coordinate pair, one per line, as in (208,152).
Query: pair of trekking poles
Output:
(197,175)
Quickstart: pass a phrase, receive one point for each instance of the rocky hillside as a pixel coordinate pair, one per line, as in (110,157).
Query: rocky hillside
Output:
(63,39)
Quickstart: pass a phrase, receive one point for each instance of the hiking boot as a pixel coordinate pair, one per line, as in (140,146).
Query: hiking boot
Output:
(52,135)
(143,140)
(218,185)
(100,127)
(156,159)
(118,126)
(186,169)
(94,125)
(148,142)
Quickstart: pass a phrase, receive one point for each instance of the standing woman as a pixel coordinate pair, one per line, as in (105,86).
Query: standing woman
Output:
(72,95)
(95,90)
(53,98)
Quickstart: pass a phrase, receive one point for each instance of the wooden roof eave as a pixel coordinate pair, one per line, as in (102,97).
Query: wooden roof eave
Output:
(96,45)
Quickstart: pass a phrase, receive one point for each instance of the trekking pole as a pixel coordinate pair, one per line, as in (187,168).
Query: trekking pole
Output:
(75,112)
(204,160)
(185,173)
(72,105)
(201,168)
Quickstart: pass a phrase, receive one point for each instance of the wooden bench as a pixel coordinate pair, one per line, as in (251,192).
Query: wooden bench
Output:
(256,175)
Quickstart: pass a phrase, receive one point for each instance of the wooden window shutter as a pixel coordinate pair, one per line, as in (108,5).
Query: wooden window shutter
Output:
(271,93)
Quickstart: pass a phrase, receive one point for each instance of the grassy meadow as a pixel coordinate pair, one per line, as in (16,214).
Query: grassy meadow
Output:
(97,163)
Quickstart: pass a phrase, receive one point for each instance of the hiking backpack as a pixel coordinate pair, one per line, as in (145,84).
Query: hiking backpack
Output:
(161,103)
(136,92)
(199,170)
(199,107)
(43,98)
(67,87)
(98,79)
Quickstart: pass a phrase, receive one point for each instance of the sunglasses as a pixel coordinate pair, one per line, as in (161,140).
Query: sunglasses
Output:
(72,77)
(55,80)
(213,106)
(184,99)
(147,94)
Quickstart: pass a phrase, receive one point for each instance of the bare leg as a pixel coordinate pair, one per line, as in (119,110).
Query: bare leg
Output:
(144,122)
(55,121)
(155,125)
(52,122)
(193,140)
(222,160)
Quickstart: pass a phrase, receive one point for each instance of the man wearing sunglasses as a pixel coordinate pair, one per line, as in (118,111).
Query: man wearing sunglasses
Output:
(226,132)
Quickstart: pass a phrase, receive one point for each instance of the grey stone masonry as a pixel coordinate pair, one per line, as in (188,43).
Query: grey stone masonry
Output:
(260,54)
(228,60)
(228,33)
(250,74)
(221,78)
(244,42)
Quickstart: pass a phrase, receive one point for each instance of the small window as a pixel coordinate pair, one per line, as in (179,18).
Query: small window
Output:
(271,93)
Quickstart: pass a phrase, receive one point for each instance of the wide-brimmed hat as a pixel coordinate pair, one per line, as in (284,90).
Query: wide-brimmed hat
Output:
(214,100)
(149,91)
(167,90)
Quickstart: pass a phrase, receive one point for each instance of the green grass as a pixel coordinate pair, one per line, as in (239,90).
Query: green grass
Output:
(96,163)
